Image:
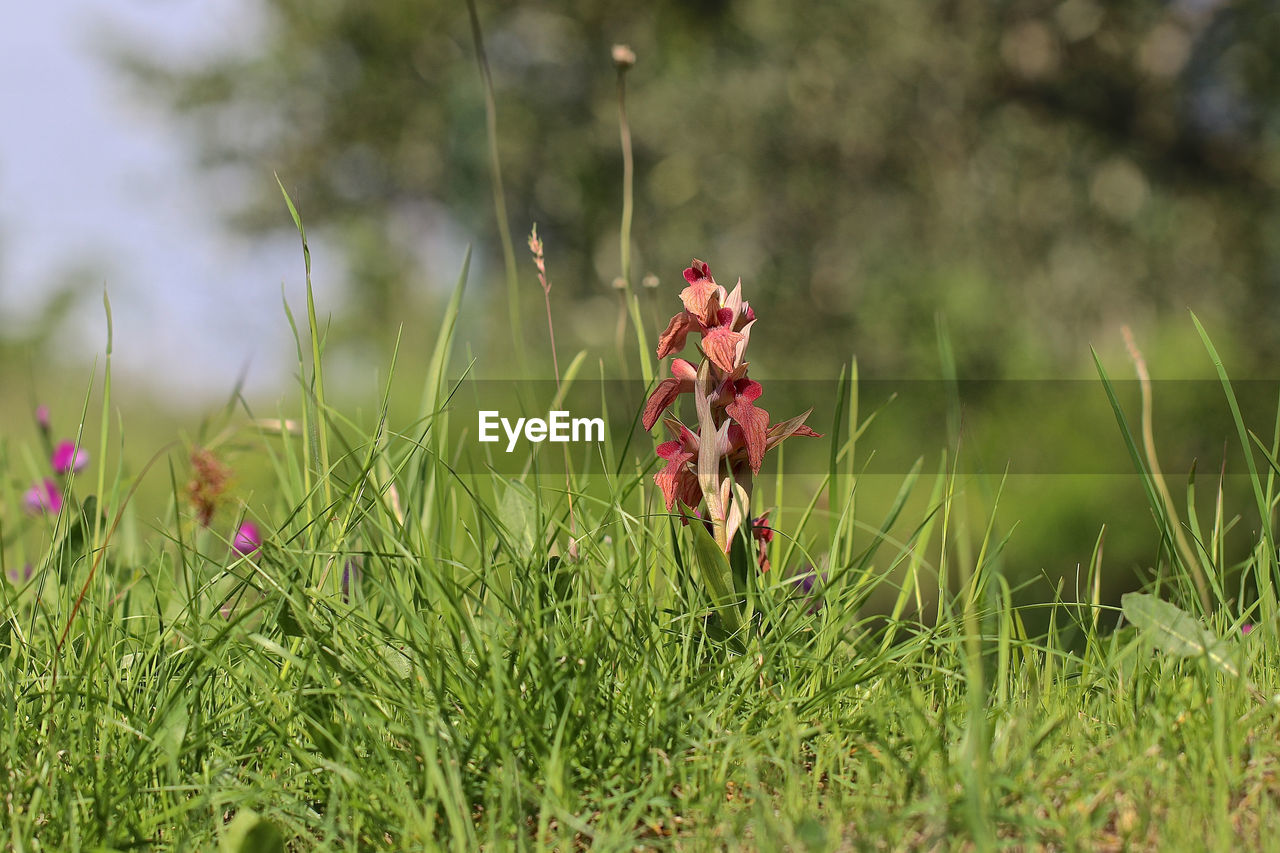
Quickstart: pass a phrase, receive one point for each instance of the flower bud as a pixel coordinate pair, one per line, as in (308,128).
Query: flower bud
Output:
(623,57)
(68,458)
(248,539)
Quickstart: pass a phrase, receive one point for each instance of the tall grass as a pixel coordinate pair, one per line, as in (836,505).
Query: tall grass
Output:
(476,688)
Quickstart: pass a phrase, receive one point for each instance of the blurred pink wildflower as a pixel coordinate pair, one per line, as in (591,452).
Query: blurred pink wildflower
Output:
(248,539)
(43,497)
(68,458)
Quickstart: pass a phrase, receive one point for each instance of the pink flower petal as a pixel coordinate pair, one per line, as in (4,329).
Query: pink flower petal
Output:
(673,337)
(248,539)
(677,481)
(683,370)
(702,300)
(663,396)
(67,458)
(721,346)
(697,271)
(754,422)
(43,497)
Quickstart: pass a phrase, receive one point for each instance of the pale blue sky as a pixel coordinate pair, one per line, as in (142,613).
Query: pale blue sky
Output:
(91,175)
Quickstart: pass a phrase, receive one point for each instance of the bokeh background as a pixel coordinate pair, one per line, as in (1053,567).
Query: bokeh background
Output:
(1030,176)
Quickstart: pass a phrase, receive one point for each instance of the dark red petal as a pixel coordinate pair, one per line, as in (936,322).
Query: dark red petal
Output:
(667,480)
(690,491)
(672,339)
(669,449)
(754,422)
(661,398)
(760,528)
(677,481)
(724,317)
(681,433)
(747,389)
(697,271)
(763,535)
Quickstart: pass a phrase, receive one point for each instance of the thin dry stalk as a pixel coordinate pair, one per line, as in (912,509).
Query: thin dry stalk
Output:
(1185,550)
(499,196)
(540,261)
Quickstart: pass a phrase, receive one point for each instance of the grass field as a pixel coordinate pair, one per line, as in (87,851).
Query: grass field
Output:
(334,635)
(407,656)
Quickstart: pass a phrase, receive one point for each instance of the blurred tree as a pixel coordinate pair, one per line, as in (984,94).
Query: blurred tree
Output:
(1039,170)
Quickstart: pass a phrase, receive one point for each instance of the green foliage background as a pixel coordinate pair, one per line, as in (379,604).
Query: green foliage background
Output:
(1039,172)
(1035,174)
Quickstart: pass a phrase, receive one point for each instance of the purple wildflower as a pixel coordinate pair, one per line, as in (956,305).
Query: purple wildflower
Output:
(1246,629)
(248,539)
(43,497)
(67,457)
(20,577)
(809,586)
(350,577)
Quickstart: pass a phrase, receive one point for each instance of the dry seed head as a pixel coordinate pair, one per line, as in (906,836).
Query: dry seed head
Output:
(623,57)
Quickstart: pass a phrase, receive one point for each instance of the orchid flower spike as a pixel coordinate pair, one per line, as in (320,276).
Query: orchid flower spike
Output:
(713,465)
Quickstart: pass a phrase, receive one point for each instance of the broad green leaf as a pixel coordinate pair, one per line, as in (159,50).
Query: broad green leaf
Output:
(1174,631)
(518,512)
(248,832)
(396,658)
(717,575)
(173,733)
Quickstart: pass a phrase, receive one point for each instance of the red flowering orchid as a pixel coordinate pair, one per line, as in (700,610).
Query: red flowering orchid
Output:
(753,420)
(763,534)
(677,480)
(715,463)
(681,382)
(722,319)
